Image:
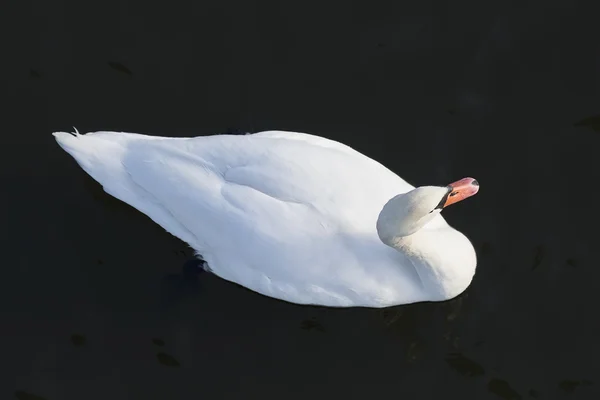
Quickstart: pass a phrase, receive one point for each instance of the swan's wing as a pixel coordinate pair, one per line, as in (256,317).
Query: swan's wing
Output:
(312,139)
(265,202)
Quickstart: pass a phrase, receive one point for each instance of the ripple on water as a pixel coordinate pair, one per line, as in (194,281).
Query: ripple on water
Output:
(21,395)
(77,339)
(167,359)
(503,389)
(464,366)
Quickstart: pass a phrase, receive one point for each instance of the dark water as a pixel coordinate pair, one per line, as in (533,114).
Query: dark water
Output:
(91,303)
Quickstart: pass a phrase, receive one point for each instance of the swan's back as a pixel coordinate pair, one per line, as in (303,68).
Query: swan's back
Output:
(282,213)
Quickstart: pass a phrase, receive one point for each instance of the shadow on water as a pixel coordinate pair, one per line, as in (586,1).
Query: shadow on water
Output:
(175,288)
(98,194)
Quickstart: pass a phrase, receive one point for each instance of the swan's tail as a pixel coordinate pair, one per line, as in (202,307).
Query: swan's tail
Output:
(99,157)
(64,138)
(102,155)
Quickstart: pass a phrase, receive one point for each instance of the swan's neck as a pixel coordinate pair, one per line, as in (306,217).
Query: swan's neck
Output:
(443,258)
(445,261)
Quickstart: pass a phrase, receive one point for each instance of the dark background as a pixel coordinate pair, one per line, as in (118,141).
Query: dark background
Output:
(434,90)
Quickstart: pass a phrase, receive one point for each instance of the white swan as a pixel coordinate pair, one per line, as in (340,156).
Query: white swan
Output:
(290,215)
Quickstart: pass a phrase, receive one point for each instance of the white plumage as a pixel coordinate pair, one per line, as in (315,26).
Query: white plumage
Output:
(289,215)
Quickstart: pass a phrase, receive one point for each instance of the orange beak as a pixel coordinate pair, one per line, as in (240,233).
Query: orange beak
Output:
(460,190)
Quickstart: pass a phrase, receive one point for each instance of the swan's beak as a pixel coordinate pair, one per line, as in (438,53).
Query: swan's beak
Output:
(460,190)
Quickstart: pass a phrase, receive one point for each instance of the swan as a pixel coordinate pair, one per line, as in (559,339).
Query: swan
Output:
(290,215)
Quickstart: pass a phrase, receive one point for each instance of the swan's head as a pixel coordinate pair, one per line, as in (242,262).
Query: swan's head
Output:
(406,213)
